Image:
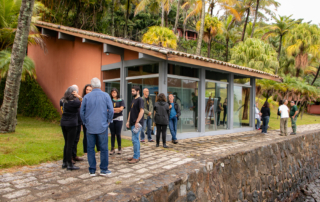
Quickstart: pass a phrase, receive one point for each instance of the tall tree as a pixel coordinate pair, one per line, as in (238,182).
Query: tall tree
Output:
(198,51)
(177,17)
(8,111)
(263,4)
(228,32)
(212,27)
(281,27)
(303,40)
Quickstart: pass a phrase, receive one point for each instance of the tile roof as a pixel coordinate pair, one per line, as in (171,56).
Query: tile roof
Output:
(165,51)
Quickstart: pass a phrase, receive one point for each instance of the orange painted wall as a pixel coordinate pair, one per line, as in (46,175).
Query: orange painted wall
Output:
(66,63)
(110,59)
(314,109)
(130,55)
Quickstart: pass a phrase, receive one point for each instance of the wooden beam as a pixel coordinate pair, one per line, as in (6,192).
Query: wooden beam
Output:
(67,37)
(49,32)
(107,41)
(186,60)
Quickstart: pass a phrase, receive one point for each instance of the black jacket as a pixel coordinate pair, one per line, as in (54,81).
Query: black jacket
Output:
(177,108)
(265,111)
(70,113)
(162,113)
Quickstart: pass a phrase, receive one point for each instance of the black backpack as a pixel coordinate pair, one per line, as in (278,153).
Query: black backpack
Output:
(279,114)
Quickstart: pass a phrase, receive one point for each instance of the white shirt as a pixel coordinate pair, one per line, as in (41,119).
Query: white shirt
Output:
(257,116)
(284,110)
(211,111)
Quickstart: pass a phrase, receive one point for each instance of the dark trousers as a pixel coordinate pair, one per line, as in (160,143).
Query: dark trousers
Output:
(75,143)
(115,129)
(218,118)
(265,121)
(69,134)
(224,117)
(161,129)
(85,142)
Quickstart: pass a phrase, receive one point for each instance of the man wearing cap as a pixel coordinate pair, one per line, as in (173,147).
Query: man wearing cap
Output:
(293,116)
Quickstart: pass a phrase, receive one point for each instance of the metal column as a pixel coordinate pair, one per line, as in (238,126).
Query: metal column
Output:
(252,102)
(123,90)
(230,101)
(163,71)
(202,101)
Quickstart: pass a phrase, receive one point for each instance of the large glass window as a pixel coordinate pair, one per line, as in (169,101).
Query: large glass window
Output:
(241,112)
(186,95)
(216,106)
(112,84)
(150,83)
(217,76)
(143,70)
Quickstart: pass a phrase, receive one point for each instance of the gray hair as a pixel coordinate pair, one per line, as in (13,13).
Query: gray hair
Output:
(77,88)
(68,94)
(95,82)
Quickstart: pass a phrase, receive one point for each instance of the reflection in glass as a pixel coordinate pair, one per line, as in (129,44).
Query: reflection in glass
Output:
(216,106)
(143,70)
(241,115)
(186,96)
(110,85)
(183,71)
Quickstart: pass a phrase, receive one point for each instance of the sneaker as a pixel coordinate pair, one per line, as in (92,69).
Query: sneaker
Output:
(293,133)
(104,173)
(142,141)
(150,140)
(92,174)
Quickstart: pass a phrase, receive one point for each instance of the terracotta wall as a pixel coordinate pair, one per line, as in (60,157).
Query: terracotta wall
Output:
(66,63)
(314,109)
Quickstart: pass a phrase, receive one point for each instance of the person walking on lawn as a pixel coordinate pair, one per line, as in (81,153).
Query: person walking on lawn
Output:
(96,114)
(284,116)
(175,112)
(293,115)
(135,122)
(147,117)
(265,114)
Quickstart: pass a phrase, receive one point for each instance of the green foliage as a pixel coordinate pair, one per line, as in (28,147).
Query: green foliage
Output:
(33,102)
(160,36)
(255,54)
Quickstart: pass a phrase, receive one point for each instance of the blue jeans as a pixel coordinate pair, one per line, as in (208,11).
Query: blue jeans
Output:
(258,123)
(136,143)
(173,127)
(265,121)
(103,144)
(146,123)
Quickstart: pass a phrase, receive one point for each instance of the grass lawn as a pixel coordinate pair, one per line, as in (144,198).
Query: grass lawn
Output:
(34,142)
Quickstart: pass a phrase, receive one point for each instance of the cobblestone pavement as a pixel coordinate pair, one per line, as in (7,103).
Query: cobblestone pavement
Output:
(158,167)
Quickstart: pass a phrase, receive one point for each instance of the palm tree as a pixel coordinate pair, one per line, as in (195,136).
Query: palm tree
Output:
(302,40)
(263,4)
(255,54)
(160,36)
(8,111)
(198,50)
(280,28)
(228,32)
(177,17)
(212,27)
(28,67)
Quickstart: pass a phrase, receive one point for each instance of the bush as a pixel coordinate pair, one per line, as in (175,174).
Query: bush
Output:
(33,102)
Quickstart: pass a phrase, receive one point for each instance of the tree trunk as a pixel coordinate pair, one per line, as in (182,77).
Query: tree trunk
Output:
(245,25)
(166,17)
(162,15)
(184,25)
(246,104)
(315,78)
(112,18)
(77,18)
(298,72)
(177,18)
(127,18)
(227,48)
(198,51)
(255,18)
(279,52)
(8,111)
(209,47)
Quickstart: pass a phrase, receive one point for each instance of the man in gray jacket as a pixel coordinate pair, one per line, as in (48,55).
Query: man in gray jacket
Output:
(148,114)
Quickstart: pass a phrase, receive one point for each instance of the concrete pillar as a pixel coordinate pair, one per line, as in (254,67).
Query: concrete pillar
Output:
(252,102)
(230,101)
(202,101)
(123,89)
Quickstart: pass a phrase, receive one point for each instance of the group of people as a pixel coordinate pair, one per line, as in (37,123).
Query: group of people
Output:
(96,111)
(283,111)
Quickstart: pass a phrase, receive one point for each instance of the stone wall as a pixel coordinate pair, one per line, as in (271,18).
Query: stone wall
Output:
(275,171)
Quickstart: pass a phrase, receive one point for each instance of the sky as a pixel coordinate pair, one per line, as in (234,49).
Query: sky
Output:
(307,9)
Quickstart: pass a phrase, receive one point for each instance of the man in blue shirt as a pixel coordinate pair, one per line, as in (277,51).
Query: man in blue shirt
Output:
(173,118)
(96,113)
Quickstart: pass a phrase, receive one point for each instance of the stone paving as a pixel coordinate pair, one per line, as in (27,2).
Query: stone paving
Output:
(158,167)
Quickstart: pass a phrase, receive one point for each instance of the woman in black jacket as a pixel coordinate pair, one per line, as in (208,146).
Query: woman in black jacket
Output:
(70,104)
(161,118)
(265,111)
